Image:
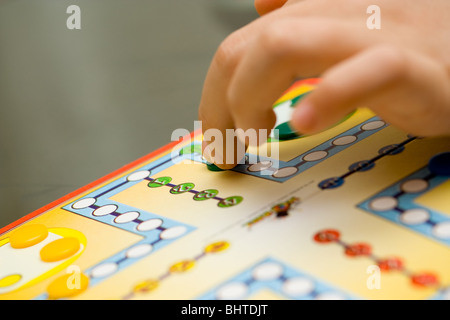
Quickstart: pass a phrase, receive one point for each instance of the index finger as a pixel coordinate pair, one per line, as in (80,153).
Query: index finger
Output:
(214,107)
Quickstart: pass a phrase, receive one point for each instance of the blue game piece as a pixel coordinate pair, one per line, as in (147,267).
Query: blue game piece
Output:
(362,166)
(331,183)
(440,164)
(392,149)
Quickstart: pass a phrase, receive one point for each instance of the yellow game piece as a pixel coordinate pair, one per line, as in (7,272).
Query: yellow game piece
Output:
(28,236)
(217,247)
(9,280)
(182,266)
(60,249)
(146,286)
(67,286)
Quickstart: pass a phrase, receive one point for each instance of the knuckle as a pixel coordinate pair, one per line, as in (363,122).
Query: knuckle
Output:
(291,38)
(394,60)
(275,40)
(228,53)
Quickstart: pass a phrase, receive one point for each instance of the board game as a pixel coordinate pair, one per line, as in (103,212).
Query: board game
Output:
(359,211)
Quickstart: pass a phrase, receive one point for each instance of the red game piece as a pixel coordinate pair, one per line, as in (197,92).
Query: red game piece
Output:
(358,249)
(328,235)
(425,279)
(390,264)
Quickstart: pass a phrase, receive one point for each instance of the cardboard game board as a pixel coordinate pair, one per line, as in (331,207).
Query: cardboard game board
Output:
(359,211)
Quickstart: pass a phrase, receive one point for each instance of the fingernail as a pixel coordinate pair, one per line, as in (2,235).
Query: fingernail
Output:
(303,118)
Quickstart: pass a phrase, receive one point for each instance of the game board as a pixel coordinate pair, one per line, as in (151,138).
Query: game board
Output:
(359,211)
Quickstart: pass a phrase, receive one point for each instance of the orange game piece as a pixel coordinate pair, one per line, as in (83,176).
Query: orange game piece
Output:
(60,249)
(67,286)
(28,236)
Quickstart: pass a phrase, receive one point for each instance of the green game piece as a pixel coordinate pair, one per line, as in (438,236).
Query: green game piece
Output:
(230,201)
(158,182)
(192,148)
(285,132)
(213,167)
(182,188)
(206,194)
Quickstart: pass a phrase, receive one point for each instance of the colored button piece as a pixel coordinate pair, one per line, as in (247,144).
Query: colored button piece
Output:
(159,182)
(67,286)
(213,167)
(440,164)
(60,249)
(285,132)
(146,286)
(217,247)
(193,148)
(10,280)
(182,266)
(28,236)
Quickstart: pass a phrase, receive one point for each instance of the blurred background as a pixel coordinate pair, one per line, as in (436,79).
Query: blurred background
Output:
(76,105)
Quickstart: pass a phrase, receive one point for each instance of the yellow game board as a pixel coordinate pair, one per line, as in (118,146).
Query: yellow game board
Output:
(360,211)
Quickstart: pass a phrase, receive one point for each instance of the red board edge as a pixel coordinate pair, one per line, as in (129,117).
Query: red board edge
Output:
(96,182)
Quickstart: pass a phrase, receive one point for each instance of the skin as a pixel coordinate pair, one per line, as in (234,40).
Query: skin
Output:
(401,71)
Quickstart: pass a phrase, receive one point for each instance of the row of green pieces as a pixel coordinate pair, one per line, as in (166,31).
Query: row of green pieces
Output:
(199,196)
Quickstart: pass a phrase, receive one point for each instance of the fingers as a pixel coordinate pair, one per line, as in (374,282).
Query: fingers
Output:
(344,86)
(260,79)
(256,64)
(214,114)
(407,90)
(216,110)
(214,107)
(265,6)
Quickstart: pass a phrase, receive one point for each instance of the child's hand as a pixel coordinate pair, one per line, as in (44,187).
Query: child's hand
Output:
(401,71)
